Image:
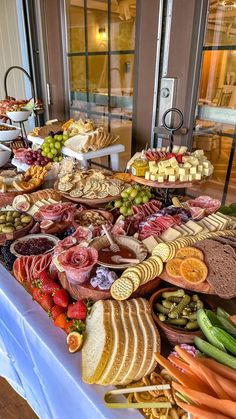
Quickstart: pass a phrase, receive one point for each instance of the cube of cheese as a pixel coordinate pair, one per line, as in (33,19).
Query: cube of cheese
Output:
(200,168)
(194,161)
(165,163)
(182,149)
(186,159)
(198,153)
(198,176)
(160,179)
(176,149)
(182,171)
(154,169)
(173,162)
(206,164)
(169,171)
(193,170)
(153,177)
(183,178)
(152,163)
(206,172)
(172,178)
(187,165)
(147,175)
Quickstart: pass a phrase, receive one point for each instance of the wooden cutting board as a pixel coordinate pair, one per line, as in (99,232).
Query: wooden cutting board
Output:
(204,287)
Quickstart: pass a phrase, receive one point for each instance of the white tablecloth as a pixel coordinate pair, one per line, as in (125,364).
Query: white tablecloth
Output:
(35,360)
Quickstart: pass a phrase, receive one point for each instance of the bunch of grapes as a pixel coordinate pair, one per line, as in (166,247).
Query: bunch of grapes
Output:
(52,146)
(133,195)
(36,158)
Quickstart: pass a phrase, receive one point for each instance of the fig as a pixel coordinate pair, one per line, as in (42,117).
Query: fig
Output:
(74,341)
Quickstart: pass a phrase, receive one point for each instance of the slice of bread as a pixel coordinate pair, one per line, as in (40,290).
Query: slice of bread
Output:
(135,357)
(98,342)
(151,337)
(117,353)
(129,343)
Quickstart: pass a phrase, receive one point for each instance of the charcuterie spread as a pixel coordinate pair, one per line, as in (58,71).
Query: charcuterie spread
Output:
(93,246)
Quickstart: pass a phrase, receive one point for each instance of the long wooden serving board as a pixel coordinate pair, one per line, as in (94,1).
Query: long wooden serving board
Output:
(204,287)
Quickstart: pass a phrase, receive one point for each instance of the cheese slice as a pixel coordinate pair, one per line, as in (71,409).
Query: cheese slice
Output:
(181,230)
(204,227)
(194,226)
(214,217)
(170,235)
(172,178)
(147,175)
(209,225)
(150,243)
(224,218)
(188,230)
(214,222)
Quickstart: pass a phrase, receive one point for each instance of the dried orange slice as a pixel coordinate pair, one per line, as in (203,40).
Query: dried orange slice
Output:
(173,267)
(193,270)
(187,252)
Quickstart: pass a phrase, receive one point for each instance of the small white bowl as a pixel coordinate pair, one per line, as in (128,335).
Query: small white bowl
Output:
(19,116)
(52,238)
(5,154)
(9,135)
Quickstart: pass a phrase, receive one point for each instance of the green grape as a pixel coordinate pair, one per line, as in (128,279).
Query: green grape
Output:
(134,193)
(43,153)
(57,145)
(129,211)
(129,190)
(60,158)
(60,137)
(51,140)
(138,200)
(65,137)
(145,199)
(55,159)
(54,151)
(124,194)
(50,155)
(126,203)
(56,137)
(48,138)
(123,210)
(51,145)
(46,150)
(118,204)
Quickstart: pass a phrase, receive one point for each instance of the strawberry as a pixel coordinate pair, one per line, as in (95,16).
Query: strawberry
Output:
(56,310)
(61,298)
(77,310)
(69,327)
(54,275)
(49,286)
(37,295)
(61,321)
(44,275)
(179,158)
(47,302)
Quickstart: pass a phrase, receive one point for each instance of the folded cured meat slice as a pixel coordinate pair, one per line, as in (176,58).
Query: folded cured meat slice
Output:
(77,262)
(82,234)
(209,204)
(56,212)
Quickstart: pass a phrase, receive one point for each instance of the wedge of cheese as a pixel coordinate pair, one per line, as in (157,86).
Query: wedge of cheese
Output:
(170,235)
(196,228)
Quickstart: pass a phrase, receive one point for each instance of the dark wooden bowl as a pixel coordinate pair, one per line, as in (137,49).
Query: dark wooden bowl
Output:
(173,335)
(17,234)
(83,291)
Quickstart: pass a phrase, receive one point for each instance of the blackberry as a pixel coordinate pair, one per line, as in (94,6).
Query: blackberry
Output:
(8,257)
(66,233)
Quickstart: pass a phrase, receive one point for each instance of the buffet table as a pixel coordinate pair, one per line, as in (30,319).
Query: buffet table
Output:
(36,362)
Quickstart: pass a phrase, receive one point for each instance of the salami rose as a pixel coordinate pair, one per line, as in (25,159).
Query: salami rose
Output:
(56,212)
(78,262)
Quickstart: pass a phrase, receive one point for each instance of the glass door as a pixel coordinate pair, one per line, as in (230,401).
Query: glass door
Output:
(101,51)
(216,113)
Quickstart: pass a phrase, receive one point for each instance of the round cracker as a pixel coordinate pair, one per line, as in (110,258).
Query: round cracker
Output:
(134,277)
(122,288)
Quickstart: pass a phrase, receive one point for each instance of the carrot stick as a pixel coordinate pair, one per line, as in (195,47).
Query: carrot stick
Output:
(201,412)
(220,369)
(184,378)
(204,373)
(223,406)
(181,364)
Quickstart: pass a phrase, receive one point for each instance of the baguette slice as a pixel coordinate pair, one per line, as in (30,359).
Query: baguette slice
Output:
(151,337)
(129,346)
(98,342)
(118,348)
(135,357)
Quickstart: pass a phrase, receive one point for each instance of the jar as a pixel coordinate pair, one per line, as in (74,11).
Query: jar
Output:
(139,167)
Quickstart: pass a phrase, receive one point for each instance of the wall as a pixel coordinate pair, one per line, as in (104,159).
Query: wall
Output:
(10,49)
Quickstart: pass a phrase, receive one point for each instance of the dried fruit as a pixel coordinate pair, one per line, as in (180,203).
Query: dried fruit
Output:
(173,267)
(189,251)
(193,270)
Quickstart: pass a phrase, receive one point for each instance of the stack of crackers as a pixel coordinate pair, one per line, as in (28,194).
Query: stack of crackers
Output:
(167,251)
(90,184)
(135,276)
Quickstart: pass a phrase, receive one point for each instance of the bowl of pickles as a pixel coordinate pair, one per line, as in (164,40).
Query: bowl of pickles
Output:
(174,310)
(14,225)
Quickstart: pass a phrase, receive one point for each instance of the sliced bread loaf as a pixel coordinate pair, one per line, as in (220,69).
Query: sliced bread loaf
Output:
(117,352)
(129,346)
(98,342)
(136,358)
(151,337)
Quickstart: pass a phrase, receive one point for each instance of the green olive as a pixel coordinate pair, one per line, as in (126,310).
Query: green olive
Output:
(15,214)
(2,221)
(17,219)
(19,227)
(17,223)
(26,219)
(8,229)
(3,216)
(9,213)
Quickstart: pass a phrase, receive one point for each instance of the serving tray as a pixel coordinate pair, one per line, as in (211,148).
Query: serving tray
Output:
(167,184)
